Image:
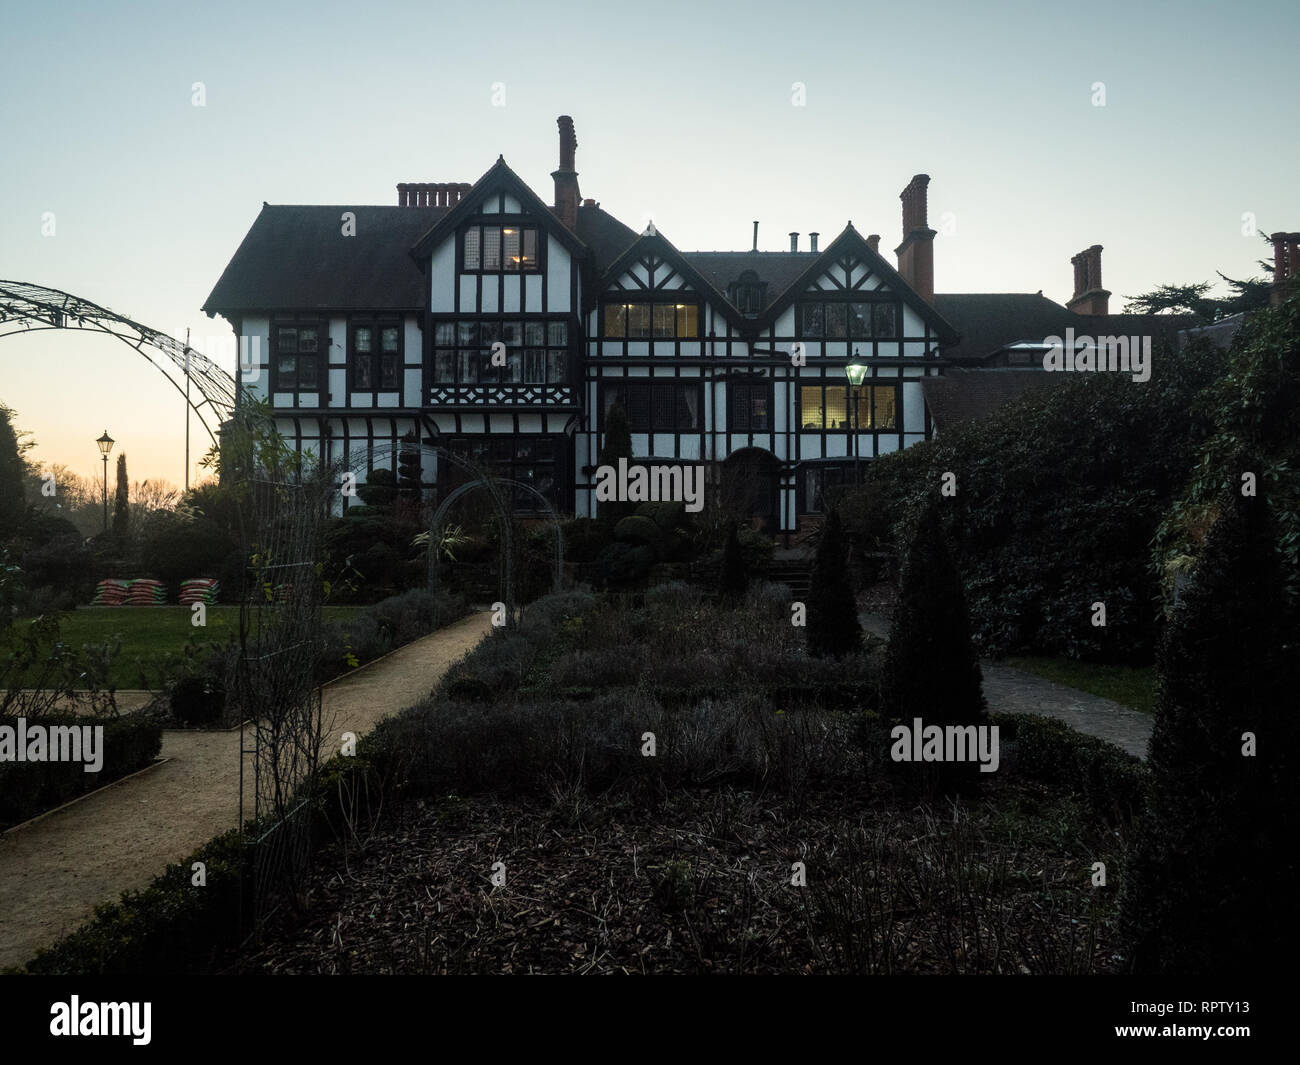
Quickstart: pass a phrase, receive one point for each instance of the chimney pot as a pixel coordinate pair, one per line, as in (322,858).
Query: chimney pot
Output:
(873,242)
(794,241)
(812,237)
(755,235)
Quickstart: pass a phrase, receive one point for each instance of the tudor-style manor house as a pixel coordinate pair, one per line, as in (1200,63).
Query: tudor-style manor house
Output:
(371,323)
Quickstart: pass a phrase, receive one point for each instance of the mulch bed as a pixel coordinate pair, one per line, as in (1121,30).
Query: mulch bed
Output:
(698,884)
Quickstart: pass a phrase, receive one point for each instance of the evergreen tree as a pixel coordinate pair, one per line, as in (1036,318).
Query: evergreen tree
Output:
(732,580)
(833,627)
(931,669)
(13,506)
(409,472)
(122,505)
(1213,880)
(617,445)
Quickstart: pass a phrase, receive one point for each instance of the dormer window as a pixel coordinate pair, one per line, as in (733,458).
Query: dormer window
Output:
(749,293)
(500,249)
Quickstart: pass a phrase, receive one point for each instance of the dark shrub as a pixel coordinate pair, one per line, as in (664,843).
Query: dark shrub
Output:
(832,624)
(1113,781)
(171,927)
(31,788)
(1213,881)
(1063,488)
(197,701)
(732,579)
(931,670)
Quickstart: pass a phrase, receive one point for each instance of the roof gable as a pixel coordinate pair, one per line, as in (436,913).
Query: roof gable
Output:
(851,243)
(654,245)
(499,177)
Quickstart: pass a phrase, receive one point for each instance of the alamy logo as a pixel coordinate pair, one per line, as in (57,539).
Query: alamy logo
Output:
(1087,354)
(946,743)
(651,484)
(102,1018)
(53,743)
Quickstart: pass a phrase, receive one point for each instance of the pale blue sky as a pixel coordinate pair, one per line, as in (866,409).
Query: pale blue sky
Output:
(683,113)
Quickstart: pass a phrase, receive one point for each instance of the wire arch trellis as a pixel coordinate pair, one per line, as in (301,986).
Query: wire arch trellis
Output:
(28,308)
(368,458)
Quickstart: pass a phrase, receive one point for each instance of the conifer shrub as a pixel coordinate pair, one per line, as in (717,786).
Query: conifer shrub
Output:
(1213,880)
(733,578)
(833,627)
(931,668)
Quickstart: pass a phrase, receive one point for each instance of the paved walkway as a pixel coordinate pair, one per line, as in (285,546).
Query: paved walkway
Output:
(1013,691)
(54,872)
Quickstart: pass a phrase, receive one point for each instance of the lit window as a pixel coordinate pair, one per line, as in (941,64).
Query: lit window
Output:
(644,321)
(491,248)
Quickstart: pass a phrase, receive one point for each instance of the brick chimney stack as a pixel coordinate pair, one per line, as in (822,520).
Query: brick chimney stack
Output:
(1089,297)
(1286,265)
(567,196)
(873,242)
(916,253)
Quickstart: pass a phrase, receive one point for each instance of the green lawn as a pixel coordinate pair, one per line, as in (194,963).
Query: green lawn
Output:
(1133,686)
(150,633)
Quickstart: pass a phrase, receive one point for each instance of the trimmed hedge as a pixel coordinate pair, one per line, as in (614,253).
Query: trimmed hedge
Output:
(170,927)
(1114,782)
(30,788)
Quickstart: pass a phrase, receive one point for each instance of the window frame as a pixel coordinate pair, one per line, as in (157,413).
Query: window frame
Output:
(501,223)
(748,387)
(871,387)
(376,355)
(679,385)
(652,303)
(321,326)
(463,445)
(874,307)
(469,349)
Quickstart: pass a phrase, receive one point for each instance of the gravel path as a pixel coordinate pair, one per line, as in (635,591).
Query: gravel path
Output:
(1013,691)
(54,872)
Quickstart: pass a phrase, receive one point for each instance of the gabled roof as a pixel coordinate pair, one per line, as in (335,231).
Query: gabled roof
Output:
(850,240)
(499,176)
(778,268)
(296,256)
(659,244)
(604,235)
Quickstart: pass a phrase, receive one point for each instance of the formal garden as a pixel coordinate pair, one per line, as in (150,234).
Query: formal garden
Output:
(674,765)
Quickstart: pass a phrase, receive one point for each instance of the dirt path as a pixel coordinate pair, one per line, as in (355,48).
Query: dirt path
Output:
(54,872)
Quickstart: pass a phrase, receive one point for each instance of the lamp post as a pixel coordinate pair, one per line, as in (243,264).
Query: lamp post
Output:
(856,373)
(105,443)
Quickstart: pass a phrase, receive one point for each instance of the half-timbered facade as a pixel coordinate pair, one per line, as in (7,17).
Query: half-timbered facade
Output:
(490,324)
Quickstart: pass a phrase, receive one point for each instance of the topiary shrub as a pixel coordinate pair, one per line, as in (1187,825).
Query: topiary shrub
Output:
(1213,881)
(833,628)
(732,578)
(931,669)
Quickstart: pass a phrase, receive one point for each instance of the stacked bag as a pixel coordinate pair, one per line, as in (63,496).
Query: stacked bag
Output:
(110,592)
(199,590)
(145,592)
